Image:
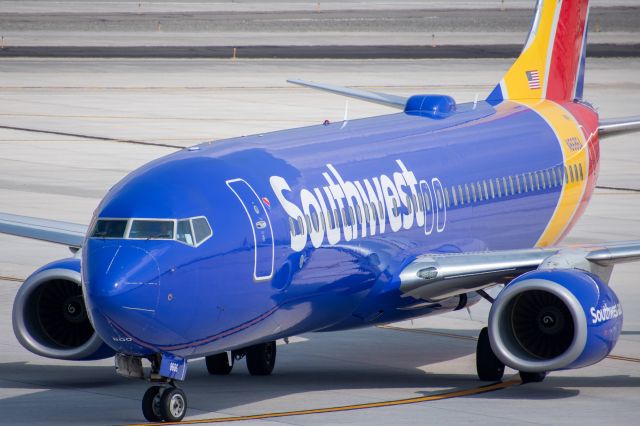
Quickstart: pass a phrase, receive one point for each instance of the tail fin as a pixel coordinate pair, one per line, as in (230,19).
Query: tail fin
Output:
(551,65)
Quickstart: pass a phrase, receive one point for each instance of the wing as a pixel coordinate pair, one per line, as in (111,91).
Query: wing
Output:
(363,95)
(439,276)
(618,126)
(66,233)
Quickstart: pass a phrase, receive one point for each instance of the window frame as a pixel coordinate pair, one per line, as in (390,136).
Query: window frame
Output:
(196,244)
(127,234)
(124,233)
(129,223)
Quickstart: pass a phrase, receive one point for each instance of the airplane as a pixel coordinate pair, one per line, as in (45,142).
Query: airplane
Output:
(220,249)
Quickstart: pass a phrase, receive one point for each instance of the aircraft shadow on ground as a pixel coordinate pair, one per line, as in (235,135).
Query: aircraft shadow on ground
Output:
(362,359)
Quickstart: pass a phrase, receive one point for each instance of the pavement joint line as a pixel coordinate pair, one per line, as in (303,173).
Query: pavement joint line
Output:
(286,51)
(391,403)
(100,138)
(463,337)
(616,188)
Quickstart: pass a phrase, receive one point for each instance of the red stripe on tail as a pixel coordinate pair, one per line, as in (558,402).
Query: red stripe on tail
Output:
(567,49)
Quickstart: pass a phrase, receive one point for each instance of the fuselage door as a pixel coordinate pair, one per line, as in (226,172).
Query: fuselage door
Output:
(264,250)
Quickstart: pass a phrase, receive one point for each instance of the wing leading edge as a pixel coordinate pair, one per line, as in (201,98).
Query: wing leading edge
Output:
(439,276)
(386,99)
(53,231)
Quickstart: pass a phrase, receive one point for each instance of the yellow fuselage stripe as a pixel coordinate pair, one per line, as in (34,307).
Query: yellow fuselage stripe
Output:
(567,132)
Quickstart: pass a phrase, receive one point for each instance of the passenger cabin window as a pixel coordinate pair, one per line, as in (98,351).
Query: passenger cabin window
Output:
(110,228)
(151,229)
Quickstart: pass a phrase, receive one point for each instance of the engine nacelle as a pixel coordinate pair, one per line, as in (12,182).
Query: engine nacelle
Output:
(49,315)
(549,320)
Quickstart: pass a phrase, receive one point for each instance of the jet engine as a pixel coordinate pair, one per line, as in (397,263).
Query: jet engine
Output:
(49,315)
(549,320)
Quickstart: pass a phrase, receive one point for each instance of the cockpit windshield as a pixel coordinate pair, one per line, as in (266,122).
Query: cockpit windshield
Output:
(151,229)
(110,228)
(190,231)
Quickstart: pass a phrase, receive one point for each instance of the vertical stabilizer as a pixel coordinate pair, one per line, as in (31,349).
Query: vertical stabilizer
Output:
(551,65)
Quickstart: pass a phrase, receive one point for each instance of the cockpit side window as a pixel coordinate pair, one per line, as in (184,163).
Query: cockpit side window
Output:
(201,229)
(151,229)
(110,228)
(184,233)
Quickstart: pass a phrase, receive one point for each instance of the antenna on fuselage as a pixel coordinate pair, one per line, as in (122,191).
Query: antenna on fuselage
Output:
(345,120)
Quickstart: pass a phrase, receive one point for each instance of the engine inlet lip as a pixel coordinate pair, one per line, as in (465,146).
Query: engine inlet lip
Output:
(498,325)
(22,329)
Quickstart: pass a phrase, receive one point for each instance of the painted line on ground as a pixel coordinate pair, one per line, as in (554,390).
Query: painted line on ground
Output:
(14,279)
(434,397)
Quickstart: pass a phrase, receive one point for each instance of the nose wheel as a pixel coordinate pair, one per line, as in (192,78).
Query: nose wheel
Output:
(164,403)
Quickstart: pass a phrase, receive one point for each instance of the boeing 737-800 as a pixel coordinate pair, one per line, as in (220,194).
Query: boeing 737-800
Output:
(218,250)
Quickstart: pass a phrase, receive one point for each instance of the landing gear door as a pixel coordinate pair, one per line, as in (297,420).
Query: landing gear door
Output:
(264,250)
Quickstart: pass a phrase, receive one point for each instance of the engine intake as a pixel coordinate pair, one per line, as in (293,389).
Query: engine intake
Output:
(49,315)
(554,319)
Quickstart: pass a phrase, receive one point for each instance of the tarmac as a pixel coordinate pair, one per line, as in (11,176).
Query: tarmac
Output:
(71,128)
(178,102)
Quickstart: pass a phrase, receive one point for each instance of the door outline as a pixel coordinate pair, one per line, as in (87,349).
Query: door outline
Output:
(253,230)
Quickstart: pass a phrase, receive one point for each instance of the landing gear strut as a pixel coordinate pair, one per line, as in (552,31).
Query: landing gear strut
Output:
(488,366)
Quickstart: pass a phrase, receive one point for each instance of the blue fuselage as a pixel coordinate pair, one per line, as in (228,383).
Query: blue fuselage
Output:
(311,226)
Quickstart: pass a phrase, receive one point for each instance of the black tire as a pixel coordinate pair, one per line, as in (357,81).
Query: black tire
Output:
(173,405)
(261,359)
(527,377)
(218,364)
(151,404)
(488,366)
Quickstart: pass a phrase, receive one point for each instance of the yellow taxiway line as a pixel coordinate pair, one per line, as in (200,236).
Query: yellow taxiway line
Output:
(435,397)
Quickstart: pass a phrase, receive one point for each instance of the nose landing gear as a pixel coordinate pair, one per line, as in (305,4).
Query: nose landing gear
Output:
(164,403)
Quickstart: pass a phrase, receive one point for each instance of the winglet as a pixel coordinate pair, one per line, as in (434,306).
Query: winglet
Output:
(393,101)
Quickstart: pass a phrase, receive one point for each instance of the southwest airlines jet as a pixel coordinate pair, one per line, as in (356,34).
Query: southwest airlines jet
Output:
(220,249)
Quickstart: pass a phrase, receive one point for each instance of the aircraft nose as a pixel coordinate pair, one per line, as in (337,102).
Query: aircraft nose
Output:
(122,285)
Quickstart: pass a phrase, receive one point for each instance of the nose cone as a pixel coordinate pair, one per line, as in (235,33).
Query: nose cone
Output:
(122,284)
